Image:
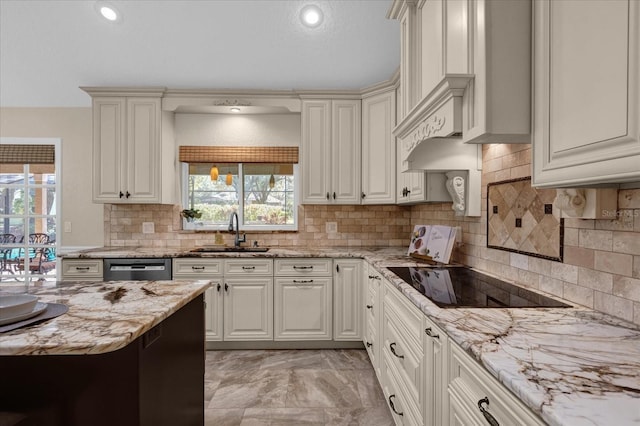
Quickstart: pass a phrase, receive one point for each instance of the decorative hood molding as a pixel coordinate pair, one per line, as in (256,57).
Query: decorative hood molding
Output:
(430,140)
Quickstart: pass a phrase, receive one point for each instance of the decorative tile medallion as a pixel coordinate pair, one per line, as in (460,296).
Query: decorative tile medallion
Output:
(522,219)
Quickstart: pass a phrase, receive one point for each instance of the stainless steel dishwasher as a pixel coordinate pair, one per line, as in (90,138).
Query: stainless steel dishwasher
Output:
(138,269)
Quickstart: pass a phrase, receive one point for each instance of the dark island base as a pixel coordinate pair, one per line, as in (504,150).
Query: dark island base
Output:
(156,380)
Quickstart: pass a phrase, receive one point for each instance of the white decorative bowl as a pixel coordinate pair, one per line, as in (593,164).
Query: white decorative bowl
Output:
(14,305)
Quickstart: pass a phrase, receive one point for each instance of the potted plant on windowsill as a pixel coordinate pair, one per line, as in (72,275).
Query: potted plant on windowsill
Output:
(191,214)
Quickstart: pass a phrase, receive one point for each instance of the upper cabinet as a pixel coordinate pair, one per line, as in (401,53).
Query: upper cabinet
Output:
(331,151)
(465,70)
(586,92)
(379,147)
(128,158)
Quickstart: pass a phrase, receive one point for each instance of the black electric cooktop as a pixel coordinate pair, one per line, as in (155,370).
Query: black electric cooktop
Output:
(461,287)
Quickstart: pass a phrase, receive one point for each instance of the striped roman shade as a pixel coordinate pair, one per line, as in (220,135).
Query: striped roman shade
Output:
(239,154)
(27,154)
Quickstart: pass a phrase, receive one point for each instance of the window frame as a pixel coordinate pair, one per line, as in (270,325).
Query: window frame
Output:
(195,226)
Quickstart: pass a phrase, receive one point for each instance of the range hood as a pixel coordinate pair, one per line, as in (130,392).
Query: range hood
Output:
(430,138)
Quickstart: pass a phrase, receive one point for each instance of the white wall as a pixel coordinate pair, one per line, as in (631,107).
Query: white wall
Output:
(73,127)
(238,130)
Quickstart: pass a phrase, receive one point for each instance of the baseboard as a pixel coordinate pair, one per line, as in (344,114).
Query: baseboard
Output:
(313,344)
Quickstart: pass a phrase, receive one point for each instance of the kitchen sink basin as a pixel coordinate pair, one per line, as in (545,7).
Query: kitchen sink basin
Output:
(230,250)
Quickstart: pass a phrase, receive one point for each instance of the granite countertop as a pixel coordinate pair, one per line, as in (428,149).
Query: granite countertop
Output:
(101,318)
(572,366)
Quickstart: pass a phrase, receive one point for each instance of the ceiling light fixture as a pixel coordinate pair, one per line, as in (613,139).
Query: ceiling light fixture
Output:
(214,173)
(108,12)
(229,179)
(235,109)
(311,16)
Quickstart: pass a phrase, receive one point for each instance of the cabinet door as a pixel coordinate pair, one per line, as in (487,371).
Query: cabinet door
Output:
(316,151)
(142,174)
(347,301)
(373,316)
(248,308)
(213,299)
(302,308)
(345,151)
(81,269)
(378,149)
(109,136)
(435,409)
(586,92)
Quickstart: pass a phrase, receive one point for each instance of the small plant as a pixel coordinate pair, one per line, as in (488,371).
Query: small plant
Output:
(191,214)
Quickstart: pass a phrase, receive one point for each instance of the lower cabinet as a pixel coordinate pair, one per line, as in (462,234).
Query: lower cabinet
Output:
(239,305)
(81,270)
(348,317)
(477,398)
(303,299)
(373,317)
(435,348)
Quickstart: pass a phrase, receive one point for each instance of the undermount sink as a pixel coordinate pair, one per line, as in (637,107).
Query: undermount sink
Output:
(229,250)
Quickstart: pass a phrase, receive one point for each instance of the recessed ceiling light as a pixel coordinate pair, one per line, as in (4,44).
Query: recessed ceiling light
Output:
(108,12)
(235,109)
(311,16)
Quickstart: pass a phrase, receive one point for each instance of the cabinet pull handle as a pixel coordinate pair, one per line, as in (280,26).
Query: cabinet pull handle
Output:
(226,287)
(369,344)
(363,195)
(198,268)
(337,268)
(82,268)
(121,194)
(248,268)
(302,267)
(328,197)
(392,348)
(334,195)
(302,281)
(488,417)
(393,407)
(429,333)
(374,277)
(128,195)
(369,306)
(218,287)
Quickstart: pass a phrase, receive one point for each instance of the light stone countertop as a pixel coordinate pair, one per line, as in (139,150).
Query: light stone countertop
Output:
(572,366)
(95,325)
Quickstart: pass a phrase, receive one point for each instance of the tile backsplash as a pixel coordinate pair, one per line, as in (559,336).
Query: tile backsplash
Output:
(601,267)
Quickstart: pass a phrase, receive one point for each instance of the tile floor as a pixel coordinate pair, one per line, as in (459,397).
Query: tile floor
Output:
(293,387)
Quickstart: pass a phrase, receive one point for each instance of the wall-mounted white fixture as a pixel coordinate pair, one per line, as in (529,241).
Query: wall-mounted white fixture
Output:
(311,16)
(587,203)
(108,11)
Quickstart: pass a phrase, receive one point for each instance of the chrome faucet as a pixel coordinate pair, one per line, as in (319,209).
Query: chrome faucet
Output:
(238,239)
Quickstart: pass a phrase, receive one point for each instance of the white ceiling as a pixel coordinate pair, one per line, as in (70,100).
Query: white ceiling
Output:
(50,48)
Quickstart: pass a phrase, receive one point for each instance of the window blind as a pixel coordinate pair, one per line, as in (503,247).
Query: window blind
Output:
(238,154)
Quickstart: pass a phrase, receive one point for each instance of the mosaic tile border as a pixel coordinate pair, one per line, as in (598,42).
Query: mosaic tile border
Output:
(515,210)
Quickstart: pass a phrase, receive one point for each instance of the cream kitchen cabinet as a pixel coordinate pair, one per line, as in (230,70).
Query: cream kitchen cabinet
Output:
(402,351)
(435,348)
(133,152)
(303,299)
(209,269)
(379,147)
(81,270)
(477,398)
(248,299)
(348,316)
(421,187)
(465,70)
(239,305)
(372,338)
(586,92)
(331,151)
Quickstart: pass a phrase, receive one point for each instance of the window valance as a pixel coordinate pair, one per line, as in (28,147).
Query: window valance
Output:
(238,154)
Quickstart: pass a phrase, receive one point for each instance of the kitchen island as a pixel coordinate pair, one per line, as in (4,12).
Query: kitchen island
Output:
(126,353)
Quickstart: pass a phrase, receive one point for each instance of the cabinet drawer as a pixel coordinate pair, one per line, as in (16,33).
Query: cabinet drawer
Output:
(403,410)
(470,384)
(409,318)
(73,269)
(406,357)
(303,267)
(193,267)
(248,266)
